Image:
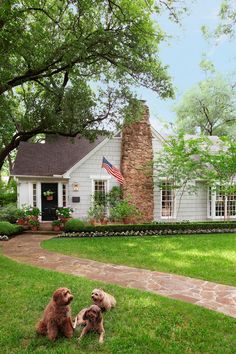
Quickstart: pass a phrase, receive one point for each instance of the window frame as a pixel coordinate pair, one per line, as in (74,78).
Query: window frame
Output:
(172,206)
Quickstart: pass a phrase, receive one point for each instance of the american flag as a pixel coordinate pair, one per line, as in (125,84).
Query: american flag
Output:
(112,170)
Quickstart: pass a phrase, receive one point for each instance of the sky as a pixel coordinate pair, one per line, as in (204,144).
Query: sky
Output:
(183,55)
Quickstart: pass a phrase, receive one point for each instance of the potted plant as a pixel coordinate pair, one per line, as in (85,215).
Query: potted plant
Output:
(33,224)
(96,213)
(56,225)
(64,214)
(124,211)
(48,194)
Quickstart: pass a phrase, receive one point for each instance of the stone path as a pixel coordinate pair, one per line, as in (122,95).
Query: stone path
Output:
(221,298)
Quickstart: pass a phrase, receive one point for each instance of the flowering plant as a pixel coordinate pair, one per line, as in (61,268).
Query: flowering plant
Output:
(48,193)
(31,211)
(64,212)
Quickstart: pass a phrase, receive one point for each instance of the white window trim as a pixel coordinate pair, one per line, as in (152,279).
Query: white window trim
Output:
(173,216)
(213,208)
(99,178)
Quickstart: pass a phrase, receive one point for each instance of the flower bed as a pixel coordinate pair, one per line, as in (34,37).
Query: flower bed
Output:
(151,229)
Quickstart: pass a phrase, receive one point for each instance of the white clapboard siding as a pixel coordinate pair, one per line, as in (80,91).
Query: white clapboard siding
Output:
(87,170)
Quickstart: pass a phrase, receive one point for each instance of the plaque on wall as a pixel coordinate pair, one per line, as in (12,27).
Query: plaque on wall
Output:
(75,199)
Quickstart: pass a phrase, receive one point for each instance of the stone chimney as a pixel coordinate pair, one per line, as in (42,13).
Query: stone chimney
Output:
(136,154)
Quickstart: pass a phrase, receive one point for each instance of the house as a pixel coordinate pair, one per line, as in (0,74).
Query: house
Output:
(72,171)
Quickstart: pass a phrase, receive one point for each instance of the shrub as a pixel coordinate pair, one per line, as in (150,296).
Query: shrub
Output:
(74,225)
(96,212)
(124,209)
(8,229)
(152,229)
(10,213)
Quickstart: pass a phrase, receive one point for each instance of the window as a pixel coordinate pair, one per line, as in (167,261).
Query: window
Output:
(100,191)
(221,205)
(231,204)
(166,200)
(64,195)
(34,195)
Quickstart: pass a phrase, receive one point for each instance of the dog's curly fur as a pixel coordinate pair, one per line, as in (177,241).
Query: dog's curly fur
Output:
(57,316)
(92,319)
(102,299)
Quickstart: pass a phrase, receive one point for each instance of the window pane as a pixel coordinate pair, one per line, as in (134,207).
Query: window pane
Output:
(100,188)
(64,195)
(34,195)
(167,199)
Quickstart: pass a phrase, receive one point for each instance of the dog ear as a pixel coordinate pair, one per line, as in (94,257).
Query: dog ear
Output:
(56,295)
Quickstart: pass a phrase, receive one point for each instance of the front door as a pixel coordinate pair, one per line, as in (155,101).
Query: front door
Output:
(49,204)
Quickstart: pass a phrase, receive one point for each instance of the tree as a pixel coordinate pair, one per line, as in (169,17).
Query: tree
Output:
(227,21)
(208,106)
(67,66)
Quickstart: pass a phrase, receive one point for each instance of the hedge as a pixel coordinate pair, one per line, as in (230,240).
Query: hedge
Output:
(151,229)
(9,229)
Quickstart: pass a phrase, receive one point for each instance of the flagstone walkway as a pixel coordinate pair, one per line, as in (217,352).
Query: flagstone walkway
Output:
(221,298)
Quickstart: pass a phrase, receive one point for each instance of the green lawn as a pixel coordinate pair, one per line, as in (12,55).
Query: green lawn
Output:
(141,323)
(209,257)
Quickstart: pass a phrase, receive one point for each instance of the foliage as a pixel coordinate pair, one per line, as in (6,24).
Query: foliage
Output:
(9,229)
(167,325)
(8,193)
(124,209)
(56,223)
(226,23)
(96,212)
(64,212)
(209,257)
(114,196)
(154,229)
(179,163)
(31,211)
(48,193)
(208,106)
(11,213)
(67,67)
(33,223)
(74,225)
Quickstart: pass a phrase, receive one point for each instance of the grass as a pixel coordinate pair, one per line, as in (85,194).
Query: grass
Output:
(141,323)
(209,257)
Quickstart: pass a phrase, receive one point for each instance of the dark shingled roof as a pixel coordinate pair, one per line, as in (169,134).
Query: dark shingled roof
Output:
(54,157)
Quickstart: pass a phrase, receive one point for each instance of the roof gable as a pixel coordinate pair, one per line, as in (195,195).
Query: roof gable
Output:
(52,158)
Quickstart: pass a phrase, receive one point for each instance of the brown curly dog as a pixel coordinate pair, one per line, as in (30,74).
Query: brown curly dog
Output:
(57,316)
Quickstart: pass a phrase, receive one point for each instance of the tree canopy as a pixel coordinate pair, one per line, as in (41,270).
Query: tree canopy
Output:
(208,106)
(66,66)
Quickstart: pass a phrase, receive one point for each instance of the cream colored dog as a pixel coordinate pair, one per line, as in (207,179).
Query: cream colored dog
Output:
(102,299)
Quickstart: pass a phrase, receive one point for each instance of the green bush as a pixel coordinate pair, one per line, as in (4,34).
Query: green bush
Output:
(10,213)
(153,229)
(7,197)
(8,229)
(74,225)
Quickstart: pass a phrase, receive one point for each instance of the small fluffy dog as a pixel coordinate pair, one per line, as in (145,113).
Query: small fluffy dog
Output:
(92,319)
(57,316)
(102,299)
